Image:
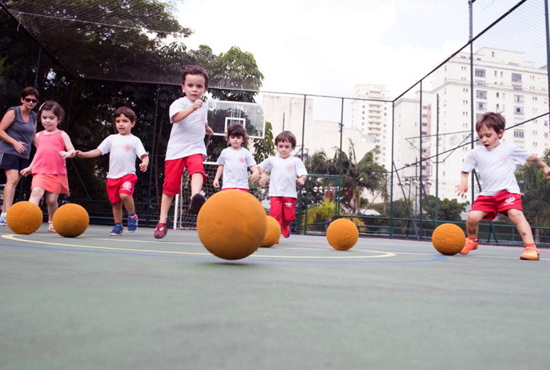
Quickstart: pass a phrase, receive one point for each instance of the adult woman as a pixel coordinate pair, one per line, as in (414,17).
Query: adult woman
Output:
(17,130)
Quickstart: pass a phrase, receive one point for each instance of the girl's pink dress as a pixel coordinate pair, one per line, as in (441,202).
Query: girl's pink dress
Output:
(49,169)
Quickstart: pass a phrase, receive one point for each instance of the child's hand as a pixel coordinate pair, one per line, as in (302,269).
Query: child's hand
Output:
(547,172)
(69,154)
(78,153)
(216,184)
(26,171)
(143,167)
(255,176)
(263,181)
(301,180)
(209,130)
(197,104)
(461,189)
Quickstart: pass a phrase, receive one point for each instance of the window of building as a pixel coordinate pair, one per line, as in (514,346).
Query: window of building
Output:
(481,106)
(480,72)
(518,98)
(517,87)
(518,111)
(516,77)
(481,94)
(518,134)
(535,144)
(481,83)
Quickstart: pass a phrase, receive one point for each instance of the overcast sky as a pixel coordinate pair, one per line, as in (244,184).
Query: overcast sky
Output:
(327,46)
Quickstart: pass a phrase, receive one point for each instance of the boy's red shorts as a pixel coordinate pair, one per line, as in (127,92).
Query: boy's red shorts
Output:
(498,203)
(242,189)
(283,209)
(122,185)
(173,169)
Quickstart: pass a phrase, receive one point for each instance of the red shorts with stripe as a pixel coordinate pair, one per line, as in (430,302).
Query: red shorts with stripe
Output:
(173,170)
(498,203)
(123,185)
(283,209)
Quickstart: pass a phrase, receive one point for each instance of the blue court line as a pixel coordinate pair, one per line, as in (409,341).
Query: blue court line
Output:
(437,258)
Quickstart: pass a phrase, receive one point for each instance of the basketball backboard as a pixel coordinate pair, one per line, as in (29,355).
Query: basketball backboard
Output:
(222,113)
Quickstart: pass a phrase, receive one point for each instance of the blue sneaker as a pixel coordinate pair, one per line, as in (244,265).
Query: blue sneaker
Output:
(117,230)
(3,220)
(286,231)
(132,223)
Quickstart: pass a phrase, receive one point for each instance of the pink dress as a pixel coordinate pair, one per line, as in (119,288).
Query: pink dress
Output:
(49,169)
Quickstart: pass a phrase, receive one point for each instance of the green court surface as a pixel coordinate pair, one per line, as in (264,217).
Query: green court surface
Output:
(132,302)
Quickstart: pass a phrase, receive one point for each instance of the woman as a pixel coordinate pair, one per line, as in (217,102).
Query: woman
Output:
(17,130)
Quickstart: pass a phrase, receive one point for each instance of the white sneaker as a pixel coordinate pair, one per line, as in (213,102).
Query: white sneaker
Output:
(3,220)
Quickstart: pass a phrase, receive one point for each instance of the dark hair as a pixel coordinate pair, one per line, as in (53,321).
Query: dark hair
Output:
(491,120)
(195,70)
(54,107)
(126,111)
(237,129)
(29,91)
(286,136)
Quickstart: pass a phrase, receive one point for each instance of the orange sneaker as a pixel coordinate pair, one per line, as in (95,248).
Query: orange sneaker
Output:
(530,254)
(469,246)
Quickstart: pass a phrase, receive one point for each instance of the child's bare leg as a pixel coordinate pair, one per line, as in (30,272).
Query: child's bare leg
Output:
(196,183)
(165,205)
(51,202)
(128,202)
(472,223)
(524,229)
(36,195)
(117,212)
(12,179)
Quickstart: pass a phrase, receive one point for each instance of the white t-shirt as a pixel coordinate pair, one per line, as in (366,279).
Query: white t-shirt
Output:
(284,173)
(235,167)
(496,167)
(123,151)
(187,136)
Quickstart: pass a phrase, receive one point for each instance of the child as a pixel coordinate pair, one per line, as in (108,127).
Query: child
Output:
(48,167)
(235,161)
(186,147)
(500,193)
(121,178)
(285,172)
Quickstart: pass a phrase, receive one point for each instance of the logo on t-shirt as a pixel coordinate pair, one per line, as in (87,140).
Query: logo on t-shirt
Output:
(241,160)
(290,167)
(127,147)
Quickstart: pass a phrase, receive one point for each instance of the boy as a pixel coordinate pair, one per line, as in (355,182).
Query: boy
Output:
(285,172)
(500,193)
(186,147)
(123,148)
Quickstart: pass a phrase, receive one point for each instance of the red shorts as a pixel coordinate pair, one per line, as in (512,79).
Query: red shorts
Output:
(122,185)
(498,203)
(283,209)
(173,170)
(236,189)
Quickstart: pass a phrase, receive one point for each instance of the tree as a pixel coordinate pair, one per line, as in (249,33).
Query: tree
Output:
(536,192)
(448,209)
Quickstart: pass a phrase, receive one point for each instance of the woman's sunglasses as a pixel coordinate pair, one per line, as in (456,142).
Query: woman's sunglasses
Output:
(30,100)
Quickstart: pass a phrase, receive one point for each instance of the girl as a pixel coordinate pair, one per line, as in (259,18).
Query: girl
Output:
(235,161)
(48,166)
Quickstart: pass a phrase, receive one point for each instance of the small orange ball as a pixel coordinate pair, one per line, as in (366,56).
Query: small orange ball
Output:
(24,217)
(342,234)
(231,224)
(448,239)
(71,220)
(272,233)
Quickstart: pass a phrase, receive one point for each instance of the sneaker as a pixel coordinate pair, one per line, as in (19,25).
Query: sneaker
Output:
(530,254)
(132,223)
(469,246)
(286,231)
(196,203)
(160,231)
(117,230)
(3,220)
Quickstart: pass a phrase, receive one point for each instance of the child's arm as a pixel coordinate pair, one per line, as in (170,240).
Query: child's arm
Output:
(219,173)
(89,154)
(184,113)
(301,180)
(462,188)
(255,173)
(539,163)
(263,176)
(28,170)
(70,153)
(144,163)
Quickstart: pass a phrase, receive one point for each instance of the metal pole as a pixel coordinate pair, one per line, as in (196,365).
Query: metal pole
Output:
(392,165)
(37,68)
(421,162)
(304,127)
(340,153)
(472,118)
(152,156)
(437,159)
(547,22)
(283,121)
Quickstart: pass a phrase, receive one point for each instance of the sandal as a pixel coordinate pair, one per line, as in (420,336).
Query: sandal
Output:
(50,227)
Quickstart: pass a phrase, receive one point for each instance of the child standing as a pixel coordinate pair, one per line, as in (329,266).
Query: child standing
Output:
(235,161)
(124,148)
(48,167)
(186,148)
(500,193)
(286,171)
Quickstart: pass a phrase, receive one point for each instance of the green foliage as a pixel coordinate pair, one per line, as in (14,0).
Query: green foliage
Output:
(447,209)
(263,148)
(536,192)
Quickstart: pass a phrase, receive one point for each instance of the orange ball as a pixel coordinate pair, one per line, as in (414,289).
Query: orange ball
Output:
(71,220)
(231,224)
(24,217)
(272,233)
(448,239)
(342,234)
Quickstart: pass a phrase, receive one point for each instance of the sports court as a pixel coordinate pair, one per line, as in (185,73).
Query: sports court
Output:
(131,302)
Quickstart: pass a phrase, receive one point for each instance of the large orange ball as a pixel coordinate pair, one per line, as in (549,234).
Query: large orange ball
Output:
(448,239)
(231,224)
(272,233)
(24,217)
(342,234)
(71,220)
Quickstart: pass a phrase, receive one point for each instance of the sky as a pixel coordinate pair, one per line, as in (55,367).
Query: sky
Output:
(326,47)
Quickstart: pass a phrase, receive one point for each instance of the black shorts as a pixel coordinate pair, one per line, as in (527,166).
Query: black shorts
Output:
(13,162)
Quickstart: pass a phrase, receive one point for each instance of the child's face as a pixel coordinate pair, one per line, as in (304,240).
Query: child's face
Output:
(49,120)
(236,141)
(124,125)
(489,137)
(194,87)
(284,148)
